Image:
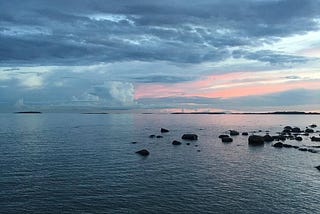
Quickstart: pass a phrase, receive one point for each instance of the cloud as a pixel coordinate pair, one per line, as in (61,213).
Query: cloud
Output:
(271,57)
(107,53)
(88,32)
(285,100)
(109,94)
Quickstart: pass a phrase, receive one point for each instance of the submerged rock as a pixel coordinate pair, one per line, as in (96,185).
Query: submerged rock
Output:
(303,149)
(143,152)
(312,151)
(163,130)
(159,136)
(255,140)
(226,139)
(152,136)
(190,137)
(175,142)
(234,132)
(278,145)
(245,133)
(133,142)
(295,147)
(287,145)
(298,138)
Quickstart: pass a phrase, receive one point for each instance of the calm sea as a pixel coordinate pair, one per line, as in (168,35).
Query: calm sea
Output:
(76,163)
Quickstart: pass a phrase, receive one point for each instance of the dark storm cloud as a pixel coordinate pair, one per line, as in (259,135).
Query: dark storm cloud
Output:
(87,32)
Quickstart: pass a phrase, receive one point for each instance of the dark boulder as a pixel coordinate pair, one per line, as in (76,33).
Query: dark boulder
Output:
(303,149)
(316,139)
(295,147)
(245,133)
(278,145)
(298,138)
(255,140)
(305,134)
(159,136)
(296,130)
(175,142)
(286,131)
(267,138)
(279,137)
(190,137)
(313,126)
(226,139)
(318,167)
(152,136)
(143,152)
(287,128)
(223,135)
(133,142)
(234,132)
(287,145)
(163,130)
(309,130)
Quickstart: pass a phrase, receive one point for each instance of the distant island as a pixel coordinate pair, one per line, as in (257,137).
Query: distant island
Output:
(199,113)
(95,113)
(276,112)
(28,112)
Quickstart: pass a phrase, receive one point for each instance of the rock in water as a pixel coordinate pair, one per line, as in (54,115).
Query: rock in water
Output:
(298,138)
(318,167)
(316,139)
(190,137)
(143,152)
(223,135)
(313,126)
(245,133)
(296,130)
(267,138)
(175,142)
(234,133)
(278,145)
(152,136)
(255,140)
(309,130)
(226,139)
(163,130)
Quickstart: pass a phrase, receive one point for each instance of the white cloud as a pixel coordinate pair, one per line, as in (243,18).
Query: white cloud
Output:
(31,81)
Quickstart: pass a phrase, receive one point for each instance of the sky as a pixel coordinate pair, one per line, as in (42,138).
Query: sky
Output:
(178,55)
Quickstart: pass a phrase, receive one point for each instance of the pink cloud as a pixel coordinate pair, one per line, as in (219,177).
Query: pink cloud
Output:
(227,85)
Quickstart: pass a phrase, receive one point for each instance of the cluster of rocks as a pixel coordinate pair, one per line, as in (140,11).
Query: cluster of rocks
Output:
(191,137)
(288,133)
